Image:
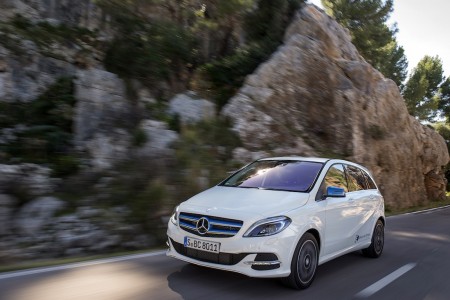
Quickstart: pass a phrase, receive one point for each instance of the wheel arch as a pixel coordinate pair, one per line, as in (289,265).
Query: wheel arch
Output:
(316,235)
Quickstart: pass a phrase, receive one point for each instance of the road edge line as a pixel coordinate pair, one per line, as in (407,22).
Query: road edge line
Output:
(421,211)
(13,274)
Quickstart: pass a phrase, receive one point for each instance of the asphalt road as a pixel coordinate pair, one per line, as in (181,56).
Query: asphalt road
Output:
(415,265)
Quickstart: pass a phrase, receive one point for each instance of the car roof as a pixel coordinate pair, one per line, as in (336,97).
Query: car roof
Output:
(315,159)
(312,159)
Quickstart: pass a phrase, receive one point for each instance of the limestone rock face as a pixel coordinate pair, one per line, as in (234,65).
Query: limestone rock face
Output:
(25,79)
(36,213)
(158,139)
(317,96)
(82,13)
(7,204)
(190,109)
(31,179)
(101,113)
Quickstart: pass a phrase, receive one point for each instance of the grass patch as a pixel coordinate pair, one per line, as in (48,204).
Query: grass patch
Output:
(70,260)
(44,34)
(433,204)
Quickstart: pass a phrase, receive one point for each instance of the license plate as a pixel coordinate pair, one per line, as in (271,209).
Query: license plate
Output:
(201,245)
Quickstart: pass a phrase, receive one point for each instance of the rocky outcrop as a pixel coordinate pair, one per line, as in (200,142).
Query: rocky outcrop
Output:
(35,214)
(317,96)
(27,179)
(159,139)
(25,79)
(191,109)
(70,12)
(101,112)
(7,205)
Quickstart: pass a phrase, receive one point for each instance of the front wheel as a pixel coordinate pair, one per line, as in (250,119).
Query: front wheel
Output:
(304,263)
(376,247)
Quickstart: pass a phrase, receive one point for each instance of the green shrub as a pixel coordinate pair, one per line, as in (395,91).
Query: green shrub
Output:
(139,137)
(47,137)
(155,51)
(64,165)
(44,34)
(226,76)
(174,123)
(204,150)
(265,28)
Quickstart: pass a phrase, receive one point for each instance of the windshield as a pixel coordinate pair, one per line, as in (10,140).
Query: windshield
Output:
(285,175)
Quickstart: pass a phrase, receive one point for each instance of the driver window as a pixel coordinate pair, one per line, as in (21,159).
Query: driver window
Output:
(334,177)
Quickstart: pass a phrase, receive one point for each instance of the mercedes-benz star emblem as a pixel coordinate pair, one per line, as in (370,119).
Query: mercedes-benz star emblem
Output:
(203,225)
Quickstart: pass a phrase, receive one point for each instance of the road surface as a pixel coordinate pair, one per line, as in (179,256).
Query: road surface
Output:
(415,265)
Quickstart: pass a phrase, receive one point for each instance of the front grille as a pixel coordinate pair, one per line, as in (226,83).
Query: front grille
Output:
(218,227)
(217,258)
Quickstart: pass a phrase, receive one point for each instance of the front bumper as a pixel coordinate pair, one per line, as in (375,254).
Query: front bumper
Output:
(255,257)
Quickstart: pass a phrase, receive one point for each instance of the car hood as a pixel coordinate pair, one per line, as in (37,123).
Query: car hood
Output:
(243,203)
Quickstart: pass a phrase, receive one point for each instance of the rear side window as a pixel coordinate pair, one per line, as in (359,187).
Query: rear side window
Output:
(370,184)
(334,177)
(356,179)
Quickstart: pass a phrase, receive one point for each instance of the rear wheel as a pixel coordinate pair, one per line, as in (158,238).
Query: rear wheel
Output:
(304,263)
(376,247)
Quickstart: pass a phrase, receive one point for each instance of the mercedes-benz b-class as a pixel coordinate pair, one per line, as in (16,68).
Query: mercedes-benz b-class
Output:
(281,217)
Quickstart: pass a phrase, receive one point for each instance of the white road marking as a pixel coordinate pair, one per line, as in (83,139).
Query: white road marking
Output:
(78,265)
(425,211)
(370,290)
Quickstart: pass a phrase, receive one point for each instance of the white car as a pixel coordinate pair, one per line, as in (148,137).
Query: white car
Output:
(281,217)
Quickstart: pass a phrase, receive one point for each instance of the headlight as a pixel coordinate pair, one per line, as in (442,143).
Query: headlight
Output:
(174,217)
(268,226)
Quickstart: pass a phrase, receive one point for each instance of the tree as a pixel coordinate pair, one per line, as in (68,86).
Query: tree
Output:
(421,91)
(264,28)
(395,65)
(375,41)
(444,99)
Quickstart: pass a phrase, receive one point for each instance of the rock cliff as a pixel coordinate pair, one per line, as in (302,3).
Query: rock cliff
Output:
(317,96)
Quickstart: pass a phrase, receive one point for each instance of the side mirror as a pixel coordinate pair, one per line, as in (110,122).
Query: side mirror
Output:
(334,192)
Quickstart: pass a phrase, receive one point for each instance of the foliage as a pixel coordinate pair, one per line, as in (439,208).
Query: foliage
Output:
(366,20)
(421,91)
(154,51)
(158,111)
(225,76)
(46,137)
(394,64)
(444,130)
(141,186)
(204,149)
(444,99)
(191,35)
(44,34)
(139,137)
(264,27)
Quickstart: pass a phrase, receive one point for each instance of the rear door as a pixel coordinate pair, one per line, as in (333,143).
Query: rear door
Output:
(338,211)
(363,203)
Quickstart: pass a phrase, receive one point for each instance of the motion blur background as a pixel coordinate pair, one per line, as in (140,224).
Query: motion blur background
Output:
(112,112)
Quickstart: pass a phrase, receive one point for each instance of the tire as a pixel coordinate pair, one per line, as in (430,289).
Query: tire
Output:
(376,247)
(304,263)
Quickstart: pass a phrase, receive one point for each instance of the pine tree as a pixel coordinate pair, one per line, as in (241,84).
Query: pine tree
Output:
(421,91)
(366,20)
(444,99)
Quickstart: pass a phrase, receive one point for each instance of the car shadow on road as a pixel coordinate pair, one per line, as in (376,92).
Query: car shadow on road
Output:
(196,282)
